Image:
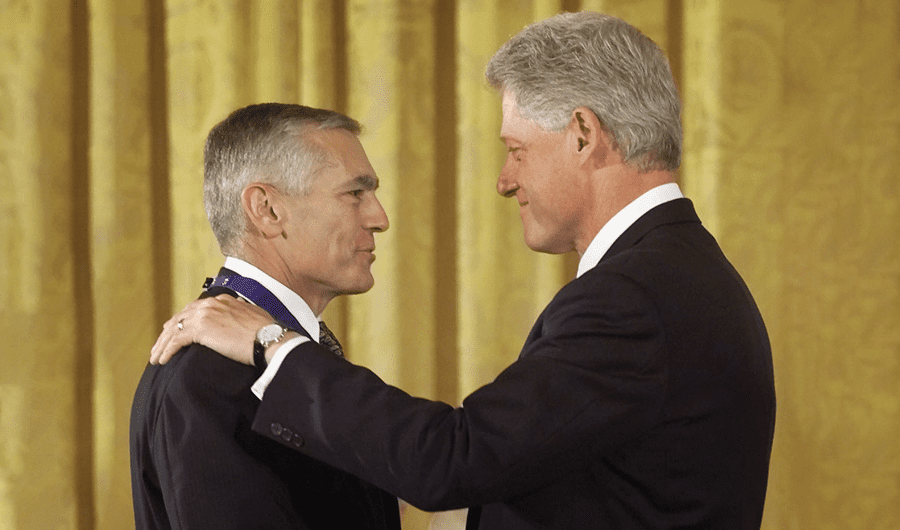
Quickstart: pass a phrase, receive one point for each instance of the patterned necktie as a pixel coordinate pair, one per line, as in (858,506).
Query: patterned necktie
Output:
(327,339)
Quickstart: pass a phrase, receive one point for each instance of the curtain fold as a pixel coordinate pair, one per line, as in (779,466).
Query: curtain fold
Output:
(792,140)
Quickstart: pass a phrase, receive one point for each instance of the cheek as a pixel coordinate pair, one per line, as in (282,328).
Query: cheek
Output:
(344,242)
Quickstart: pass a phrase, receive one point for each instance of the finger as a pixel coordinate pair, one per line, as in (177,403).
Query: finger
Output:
(172,327)
(154,351)
(161,342)
(178,339)
(183,328)
(170,349)
(165,343)
(227,298)
(179,336)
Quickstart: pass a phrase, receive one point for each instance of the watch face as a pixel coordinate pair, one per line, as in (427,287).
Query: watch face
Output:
(269,333)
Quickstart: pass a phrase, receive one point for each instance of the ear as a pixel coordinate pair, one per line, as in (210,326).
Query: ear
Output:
(588,138)
(263,209)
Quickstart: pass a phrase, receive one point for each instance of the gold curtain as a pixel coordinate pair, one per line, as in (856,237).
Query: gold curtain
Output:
(792,137)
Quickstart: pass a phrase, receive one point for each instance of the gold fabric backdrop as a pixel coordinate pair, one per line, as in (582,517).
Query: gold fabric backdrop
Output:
(792,121)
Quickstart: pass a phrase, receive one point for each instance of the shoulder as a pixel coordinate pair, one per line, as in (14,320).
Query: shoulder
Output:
(662,257)
(606,309)
(608,287)
(195,378)
(627,288)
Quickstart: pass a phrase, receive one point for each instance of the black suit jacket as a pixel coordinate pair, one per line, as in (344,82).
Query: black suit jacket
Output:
(643,398)
(196,463)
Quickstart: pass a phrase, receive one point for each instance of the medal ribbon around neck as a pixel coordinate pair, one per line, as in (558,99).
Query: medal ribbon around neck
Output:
(255,292)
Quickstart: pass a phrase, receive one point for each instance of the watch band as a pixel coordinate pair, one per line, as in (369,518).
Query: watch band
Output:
(259,355)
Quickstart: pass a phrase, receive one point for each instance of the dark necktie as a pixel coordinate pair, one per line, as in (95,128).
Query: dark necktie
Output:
(327,339)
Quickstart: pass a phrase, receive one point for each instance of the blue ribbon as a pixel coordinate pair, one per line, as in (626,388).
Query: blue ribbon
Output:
(254,291)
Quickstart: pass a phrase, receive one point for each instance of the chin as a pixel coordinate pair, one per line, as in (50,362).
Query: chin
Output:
(360,286)
(548,239)
(547,247)
(538,244)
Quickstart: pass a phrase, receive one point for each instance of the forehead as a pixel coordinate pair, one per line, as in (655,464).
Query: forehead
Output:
(514,125)
(508,103)
(345,151)
(510,113)
(338,141)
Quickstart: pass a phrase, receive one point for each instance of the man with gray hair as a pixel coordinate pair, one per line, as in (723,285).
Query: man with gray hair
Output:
(290,196)
(644,394)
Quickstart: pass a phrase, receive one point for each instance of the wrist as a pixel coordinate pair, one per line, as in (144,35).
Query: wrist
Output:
(266,337)
(273,348)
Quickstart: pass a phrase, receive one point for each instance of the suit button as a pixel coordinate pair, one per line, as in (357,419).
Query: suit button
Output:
(276,429)
(286,435)
(297,441)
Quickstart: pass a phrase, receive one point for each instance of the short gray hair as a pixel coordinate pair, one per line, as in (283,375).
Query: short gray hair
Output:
(602,63)
(270,143)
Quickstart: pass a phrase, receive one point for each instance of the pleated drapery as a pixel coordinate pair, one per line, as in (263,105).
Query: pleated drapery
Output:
(792,144)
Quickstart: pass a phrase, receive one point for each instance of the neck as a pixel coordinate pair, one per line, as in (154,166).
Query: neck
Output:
(615,187)
(272,264)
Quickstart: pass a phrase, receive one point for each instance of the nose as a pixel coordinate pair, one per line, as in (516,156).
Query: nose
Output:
(506,185)
(377,219)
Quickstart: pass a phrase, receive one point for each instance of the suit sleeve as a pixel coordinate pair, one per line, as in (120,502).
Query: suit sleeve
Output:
(590,377)
(206,456)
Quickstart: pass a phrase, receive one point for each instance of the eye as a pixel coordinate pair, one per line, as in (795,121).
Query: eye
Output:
(356,193)
(514,152)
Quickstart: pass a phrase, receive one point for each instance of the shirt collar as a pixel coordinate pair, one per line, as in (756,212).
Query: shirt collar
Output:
(291,300)
(620,222)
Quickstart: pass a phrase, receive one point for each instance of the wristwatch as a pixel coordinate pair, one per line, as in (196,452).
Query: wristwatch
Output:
(266,336)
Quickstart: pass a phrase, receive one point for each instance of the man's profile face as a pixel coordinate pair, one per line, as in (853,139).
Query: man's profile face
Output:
(330,231)
(540,174)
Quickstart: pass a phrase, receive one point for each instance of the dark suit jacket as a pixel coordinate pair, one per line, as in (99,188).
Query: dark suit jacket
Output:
(196,463)
(643,398)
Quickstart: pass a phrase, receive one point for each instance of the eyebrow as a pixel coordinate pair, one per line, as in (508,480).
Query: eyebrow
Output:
(368,182)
